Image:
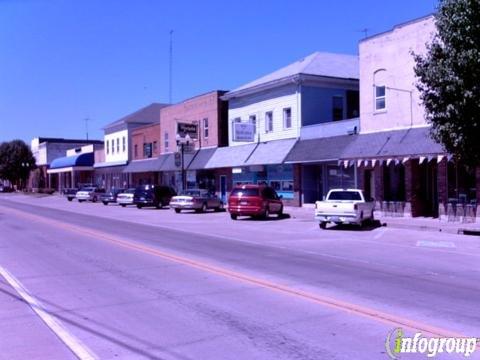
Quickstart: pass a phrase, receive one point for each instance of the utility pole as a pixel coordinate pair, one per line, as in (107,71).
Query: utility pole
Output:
(170,69)
(86,125)
(365,32)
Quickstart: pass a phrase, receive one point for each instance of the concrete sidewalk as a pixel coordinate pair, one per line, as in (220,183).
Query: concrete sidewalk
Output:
(419,223)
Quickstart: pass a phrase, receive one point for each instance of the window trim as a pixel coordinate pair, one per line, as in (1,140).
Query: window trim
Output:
(384,97)
(268,128)
(284,110)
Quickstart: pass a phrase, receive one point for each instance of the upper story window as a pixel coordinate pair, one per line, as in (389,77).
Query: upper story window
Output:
(205,128)
(124,144)
(337,108)
(165,141)
(253,120)
(287,118)
(155,148)
(269,121)
(113,146)
(107,143)
(118,145)
(135,151)
(147,150)
(380,101)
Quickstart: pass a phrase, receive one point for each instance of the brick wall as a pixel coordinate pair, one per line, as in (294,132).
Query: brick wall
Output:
(145,134)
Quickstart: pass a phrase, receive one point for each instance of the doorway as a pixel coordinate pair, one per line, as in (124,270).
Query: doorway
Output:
(223,187)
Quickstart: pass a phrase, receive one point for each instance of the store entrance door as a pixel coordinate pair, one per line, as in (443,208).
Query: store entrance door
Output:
(223,188)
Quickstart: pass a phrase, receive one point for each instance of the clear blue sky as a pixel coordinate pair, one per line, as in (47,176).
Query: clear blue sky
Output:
(62,61)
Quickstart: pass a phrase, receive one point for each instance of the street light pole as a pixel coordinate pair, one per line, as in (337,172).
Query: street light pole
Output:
(182,142)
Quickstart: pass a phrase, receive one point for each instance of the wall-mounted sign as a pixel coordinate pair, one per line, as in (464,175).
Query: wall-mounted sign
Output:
(236,170)
(186,128)
(244,132)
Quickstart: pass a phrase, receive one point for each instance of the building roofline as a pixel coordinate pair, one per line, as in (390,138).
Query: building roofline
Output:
(296,78)
(220,92)
(68,141)
(397,26)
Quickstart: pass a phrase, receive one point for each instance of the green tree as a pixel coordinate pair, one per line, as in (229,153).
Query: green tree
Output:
(16,162)
(449,79)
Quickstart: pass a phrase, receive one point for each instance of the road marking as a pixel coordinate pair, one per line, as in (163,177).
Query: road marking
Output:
(343,306)
(436,244)
(380,233)
(74,344)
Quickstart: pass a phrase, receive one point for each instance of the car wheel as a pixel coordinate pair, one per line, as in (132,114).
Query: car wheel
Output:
(69,199)
(94,199)
(266,214)
(323,225)
(233,216)
(280,212)
(80,201)
(123,205)
(139,206)
(372,218)
(219,208)
(159,206)
(178,211)
(105,203)
(204,208)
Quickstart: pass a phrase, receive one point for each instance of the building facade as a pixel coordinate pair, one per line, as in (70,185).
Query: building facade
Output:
(315,97)
(45,150)
(118,147)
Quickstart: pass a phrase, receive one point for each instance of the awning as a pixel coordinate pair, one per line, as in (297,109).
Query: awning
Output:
(144,165)
(319,150)
(271,152)
(413,143)
(168,162)
(231,156)
(85,159)
(110,163)
(201,158)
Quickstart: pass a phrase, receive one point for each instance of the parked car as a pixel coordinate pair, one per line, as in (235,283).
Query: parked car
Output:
(6,189)
(153,195)
(70,193)
(344,206)
(126,198)
(196,199)
(111,196)
(89,194)
(255,201)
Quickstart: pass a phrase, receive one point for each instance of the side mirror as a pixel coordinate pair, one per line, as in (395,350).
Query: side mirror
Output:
(280,197)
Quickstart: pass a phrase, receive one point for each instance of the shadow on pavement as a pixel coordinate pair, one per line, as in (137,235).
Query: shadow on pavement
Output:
(368,226)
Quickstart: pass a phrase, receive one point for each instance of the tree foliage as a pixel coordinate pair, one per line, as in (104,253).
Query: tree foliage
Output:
(449,79)
(16,162)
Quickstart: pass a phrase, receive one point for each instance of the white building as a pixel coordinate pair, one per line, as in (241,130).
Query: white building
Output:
(117,146)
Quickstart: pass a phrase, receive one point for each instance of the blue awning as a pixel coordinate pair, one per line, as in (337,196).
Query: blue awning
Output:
(85,159)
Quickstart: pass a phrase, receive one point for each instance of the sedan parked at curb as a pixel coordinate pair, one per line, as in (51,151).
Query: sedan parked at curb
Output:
(196,199)
(344,206)
(70,193)
(153,195)
(89,194)
(126,198)
(254,201)
(111,196)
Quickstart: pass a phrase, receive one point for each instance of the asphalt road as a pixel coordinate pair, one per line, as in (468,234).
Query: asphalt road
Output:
(123,283)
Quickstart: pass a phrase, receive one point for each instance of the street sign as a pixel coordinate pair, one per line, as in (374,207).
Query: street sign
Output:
(187,128)
(243,132)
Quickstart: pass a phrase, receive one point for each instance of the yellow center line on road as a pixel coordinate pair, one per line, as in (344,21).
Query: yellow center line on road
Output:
(351,308)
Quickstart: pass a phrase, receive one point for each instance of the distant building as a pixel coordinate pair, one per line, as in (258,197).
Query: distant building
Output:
(118,149)
(45,150)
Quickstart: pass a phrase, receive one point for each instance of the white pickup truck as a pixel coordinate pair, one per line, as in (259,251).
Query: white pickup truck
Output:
(344,206)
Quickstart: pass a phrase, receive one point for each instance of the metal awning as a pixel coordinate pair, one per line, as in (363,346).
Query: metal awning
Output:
(396,144)
(110,163)
(271,152)
(201,158)
(144,165)
(231,156)
(168,162)
(319,150)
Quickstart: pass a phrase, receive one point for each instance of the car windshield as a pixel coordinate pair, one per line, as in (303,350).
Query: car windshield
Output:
(345,195)
(130,191)
(245,192)
(88,189)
